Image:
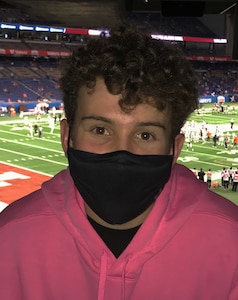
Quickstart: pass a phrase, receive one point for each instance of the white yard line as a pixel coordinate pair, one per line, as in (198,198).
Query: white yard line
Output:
(35,157)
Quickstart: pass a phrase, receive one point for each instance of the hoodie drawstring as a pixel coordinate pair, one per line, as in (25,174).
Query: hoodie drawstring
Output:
(102,277)
(123,294)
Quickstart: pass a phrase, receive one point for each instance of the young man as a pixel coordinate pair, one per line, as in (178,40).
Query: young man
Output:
(124,221)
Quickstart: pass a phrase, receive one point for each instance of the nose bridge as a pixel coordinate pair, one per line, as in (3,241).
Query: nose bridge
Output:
(122,142)
(123,138)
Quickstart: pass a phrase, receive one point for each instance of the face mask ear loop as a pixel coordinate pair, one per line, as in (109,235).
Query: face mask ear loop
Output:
(173,147)
(68,138)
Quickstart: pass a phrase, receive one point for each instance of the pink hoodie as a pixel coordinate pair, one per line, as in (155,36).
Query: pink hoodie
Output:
(186,249)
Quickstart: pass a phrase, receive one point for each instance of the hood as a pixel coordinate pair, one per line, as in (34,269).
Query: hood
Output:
(171,210)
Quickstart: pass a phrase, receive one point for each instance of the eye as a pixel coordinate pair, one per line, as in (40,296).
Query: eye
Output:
(100,131)
(146,136)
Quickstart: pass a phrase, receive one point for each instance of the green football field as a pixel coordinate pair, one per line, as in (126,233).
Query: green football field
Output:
(45,154)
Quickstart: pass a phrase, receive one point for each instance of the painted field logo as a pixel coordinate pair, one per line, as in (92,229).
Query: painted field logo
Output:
(16,182)
(6,177)
(186,159)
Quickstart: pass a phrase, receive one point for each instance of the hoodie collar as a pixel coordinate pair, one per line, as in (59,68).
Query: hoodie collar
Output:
(171,210)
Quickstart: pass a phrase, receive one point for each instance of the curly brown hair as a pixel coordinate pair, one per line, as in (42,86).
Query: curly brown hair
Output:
(137,67)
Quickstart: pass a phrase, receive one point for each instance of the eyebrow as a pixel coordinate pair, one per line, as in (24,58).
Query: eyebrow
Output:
(156,124)
(97,118)
(110,121)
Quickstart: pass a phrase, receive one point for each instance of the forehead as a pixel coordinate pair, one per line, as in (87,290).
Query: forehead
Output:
(101,102)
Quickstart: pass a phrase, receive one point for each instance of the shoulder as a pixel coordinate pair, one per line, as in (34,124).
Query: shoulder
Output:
(34,204)
(28,206)
(204,201)
(218,207)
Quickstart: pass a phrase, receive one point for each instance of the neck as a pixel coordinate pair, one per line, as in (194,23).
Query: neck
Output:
(130,224)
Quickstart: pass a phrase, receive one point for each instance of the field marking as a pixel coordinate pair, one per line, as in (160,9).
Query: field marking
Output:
(181,159)
(32,146)
(198,155)
(43,119)
(55,135)
(26,169)
(2,205)
(22,181)
(209,145)
(35,157)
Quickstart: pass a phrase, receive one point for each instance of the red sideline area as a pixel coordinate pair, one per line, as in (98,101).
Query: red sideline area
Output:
(16,182)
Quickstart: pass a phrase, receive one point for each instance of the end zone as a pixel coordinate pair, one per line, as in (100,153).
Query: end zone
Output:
(16,182)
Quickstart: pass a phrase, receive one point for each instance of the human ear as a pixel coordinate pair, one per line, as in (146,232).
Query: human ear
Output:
(64,135)
(178,145)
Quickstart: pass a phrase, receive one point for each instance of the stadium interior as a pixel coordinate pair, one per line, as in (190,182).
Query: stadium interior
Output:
(30,53)
(36,35)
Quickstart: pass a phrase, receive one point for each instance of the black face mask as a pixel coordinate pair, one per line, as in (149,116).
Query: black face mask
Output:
(119,186)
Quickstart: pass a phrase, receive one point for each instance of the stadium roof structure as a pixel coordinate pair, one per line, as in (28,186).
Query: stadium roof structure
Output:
(105,13)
